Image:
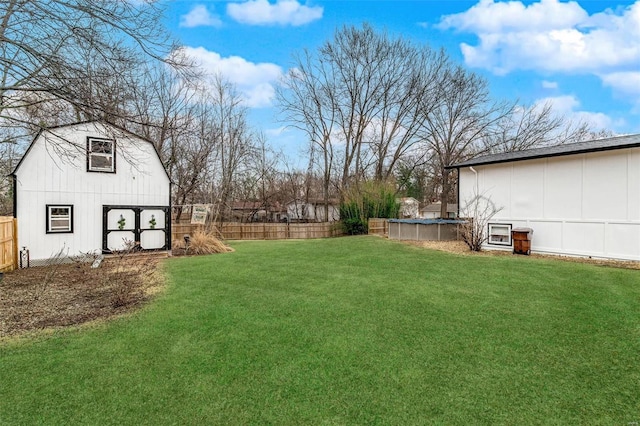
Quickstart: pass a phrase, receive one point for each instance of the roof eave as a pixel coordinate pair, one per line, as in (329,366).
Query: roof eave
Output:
(480,162)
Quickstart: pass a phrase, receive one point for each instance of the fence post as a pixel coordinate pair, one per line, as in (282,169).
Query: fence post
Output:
(15,243)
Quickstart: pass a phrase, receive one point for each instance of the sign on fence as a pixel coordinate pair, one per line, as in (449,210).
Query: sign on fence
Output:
(199,214)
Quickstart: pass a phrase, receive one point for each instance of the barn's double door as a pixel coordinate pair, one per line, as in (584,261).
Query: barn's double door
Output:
(135,227)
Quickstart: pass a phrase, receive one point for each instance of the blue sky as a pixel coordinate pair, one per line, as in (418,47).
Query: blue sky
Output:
(582,55)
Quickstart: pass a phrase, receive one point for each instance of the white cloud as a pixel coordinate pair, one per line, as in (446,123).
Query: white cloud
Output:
(489,17)
(255,81)
(626,82)
(282,12)
(546,84)
(550,36)
(200,16)
(568,106)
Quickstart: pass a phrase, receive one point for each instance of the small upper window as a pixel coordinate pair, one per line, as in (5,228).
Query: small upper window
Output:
(59,219)
(101,155)
(500,234)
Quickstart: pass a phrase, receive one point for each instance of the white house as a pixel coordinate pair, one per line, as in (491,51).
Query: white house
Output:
(579,199)
(409,207)
(432,211)
(312,211)
(90,187)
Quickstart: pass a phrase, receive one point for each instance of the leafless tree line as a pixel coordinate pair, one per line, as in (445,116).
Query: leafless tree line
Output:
(66,61)
(372,106)
(377,107)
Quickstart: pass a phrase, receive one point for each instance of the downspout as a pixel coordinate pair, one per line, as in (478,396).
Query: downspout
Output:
(458,209)
(476,173)
(14,178)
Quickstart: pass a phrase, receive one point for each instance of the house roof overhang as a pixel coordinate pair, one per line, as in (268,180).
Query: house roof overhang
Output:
(599,145)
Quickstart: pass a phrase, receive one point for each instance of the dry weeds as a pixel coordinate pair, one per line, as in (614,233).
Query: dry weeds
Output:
(459,247)
(36,298)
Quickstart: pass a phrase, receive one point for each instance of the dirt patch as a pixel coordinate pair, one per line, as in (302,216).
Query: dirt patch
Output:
(63,295)
(459,247)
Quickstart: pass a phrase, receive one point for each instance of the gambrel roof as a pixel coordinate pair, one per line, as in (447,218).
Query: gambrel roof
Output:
(113,127)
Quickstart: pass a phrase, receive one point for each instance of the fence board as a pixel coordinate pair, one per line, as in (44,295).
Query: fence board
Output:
(8,243)
(261,231)
(379,227)
(179,230)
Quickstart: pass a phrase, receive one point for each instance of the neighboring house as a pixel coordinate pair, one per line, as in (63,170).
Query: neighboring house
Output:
(90,187)
(409,207)
(312,211)
(579,199)
(432,211)
(256,211)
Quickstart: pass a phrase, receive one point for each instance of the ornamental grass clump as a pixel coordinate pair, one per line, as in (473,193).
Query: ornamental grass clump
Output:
(205,242)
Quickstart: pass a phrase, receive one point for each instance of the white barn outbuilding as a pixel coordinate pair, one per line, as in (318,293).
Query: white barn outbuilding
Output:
(579,199)
(90,187)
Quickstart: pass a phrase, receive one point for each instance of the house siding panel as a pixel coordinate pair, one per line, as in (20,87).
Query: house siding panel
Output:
(562,187)
(498,177)
(528,202)
(633,188)
(605,186)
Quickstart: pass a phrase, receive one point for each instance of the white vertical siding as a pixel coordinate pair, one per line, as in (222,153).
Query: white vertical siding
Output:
(563,186)
(633,188)
(45,177)
(531,202)
(581,204)
(605,186)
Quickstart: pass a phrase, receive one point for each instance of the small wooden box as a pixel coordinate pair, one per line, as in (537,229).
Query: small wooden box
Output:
(521,240)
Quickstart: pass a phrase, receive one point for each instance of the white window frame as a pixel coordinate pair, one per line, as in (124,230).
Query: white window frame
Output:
(51,217)
(91,155)
(491,233)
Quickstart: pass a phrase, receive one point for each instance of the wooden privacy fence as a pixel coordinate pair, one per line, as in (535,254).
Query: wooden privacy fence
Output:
(8,243)
(261,231)
(379,227)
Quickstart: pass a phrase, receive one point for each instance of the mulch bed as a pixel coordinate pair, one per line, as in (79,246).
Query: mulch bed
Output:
(63,295)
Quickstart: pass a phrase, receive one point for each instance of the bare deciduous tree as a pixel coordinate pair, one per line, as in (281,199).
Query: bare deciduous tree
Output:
(200,129)
(535,126)
(524,128)
(309,102)
(455,127)
(75,52)
(477,213)
(235,140)
(358,101)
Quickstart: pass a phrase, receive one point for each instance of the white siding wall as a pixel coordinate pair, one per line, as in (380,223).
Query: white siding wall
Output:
(583,204)
(44,177)
(312,212)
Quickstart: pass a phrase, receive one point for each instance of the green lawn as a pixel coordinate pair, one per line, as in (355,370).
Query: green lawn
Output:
(356,330)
